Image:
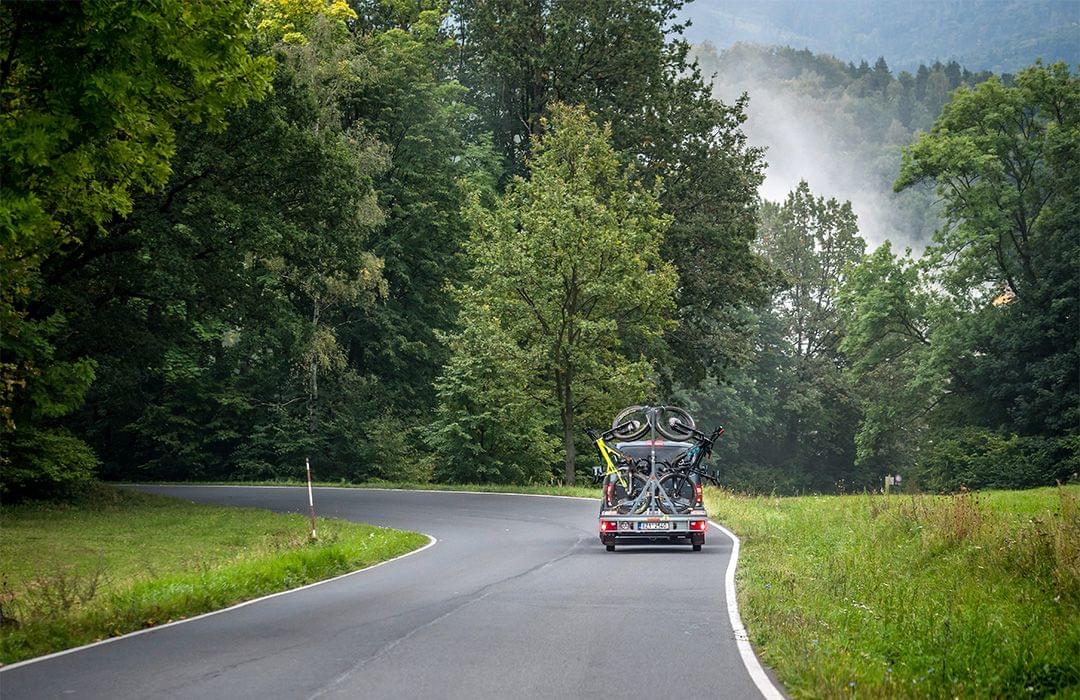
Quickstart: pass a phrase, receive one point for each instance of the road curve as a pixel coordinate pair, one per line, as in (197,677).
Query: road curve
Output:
(516,599)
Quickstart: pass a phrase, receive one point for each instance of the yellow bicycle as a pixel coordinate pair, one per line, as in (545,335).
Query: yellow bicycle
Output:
(607,452)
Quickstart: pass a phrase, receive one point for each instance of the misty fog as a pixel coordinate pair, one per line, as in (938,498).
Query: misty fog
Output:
(808,138)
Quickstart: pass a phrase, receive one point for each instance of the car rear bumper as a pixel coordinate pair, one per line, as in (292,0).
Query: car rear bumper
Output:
(631,529)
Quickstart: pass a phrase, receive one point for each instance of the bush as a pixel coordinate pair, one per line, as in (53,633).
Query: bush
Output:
(396,453)
(977,458)
(45,463)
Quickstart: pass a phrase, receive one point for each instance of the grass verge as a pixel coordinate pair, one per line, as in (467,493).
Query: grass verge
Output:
(118,561)
(973,595)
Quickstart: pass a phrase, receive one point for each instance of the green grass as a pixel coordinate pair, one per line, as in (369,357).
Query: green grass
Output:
(975,595)
(117,561)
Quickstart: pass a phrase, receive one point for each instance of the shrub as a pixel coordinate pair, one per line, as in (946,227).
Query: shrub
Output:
(396,453)
(45,463)
(977,458)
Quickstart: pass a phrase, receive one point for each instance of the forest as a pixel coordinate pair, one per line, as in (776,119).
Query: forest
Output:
(425,242)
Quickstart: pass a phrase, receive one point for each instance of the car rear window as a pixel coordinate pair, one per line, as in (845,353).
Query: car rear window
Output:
(665,450)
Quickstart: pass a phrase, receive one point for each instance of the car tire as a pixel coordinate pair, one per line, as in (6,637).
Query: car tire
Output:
(697,547)
(611,548)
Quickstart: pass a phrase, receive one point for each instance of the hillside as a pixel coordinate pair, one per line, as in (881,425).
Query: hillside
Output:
(840,126)
(997,35)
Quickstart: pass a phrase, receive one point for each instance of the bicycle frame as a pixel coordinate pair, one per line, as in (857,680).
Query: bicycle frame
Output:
(610,467)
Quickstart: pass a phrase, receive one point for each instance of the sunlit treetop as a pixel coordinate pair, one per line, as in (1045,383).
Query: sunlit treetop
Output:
(288,20)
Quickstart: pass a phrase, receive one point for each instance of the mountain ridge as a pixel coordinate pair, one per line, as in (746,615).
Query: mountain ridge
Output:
(1002,36)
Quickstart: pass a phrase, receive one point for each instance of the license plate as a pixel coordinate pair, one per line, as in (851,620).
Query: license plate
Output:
(654,526)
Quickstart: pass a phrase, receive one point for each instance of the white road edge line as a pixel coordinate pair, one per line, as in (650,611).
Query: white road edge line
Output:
(753,666)
(750,660)
(431,542)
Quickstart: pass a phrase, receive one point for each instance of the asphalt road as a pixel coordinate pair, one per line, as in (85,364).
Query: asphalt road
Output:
(517,598)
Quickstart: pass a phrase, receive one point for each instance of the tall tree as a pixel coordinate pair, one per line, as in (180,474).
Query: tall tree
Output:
(975,346)
(91,96)
(216,309)
(626,62)
(811,241)
(569,264)
(793,408)
(902,373)
(421,118)
(1005,161)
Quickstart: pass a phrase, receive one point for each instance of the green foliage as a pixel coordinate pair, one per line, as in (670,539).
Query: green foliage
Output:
(420,117)
(899,369)
(241,235)
(811,242)
(268,267)
(233,282)
(491,424)
(976,458)
(791,410)
(288,284)
(46,462)
(626,63)
(39,457)
(1004,160)
(567,268)
(982,332)
(1001,159)
(397,452)
(91,97)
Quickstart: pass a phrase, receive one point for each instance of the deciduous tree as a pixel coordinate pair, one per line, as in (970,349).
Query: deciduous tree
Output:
(568,263)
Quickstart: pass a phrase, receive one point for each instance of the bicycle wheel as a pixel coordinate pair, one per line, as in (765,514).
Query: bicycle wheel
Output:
(625,496)
(668,423)
(638,424)
(680,490)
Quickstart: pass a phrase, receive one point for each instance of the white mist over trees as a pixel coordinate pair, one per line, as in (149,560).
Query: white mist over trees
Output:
(839,126)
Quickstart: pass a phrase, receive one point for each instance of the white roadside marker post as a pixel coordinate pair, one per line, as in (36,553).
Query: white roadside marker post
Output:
(310,497)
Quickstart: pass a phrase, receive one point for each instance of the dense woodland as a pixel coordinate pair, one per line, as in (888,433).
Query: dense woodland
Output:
(425,243)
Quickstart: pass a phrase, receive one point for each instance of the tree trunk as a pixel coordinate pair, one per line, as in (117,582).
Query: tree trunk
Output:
(313,387)
(566,392)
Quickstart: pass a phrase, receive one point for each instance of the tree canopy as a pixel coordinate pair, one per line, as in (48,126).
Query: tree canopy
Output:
(567,266)
(415,242)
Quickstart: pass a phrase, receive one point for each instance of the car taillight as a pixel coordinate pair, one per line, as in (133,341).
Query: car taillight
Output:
(697,494)
(608,526)
(609,492)
(698,525)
